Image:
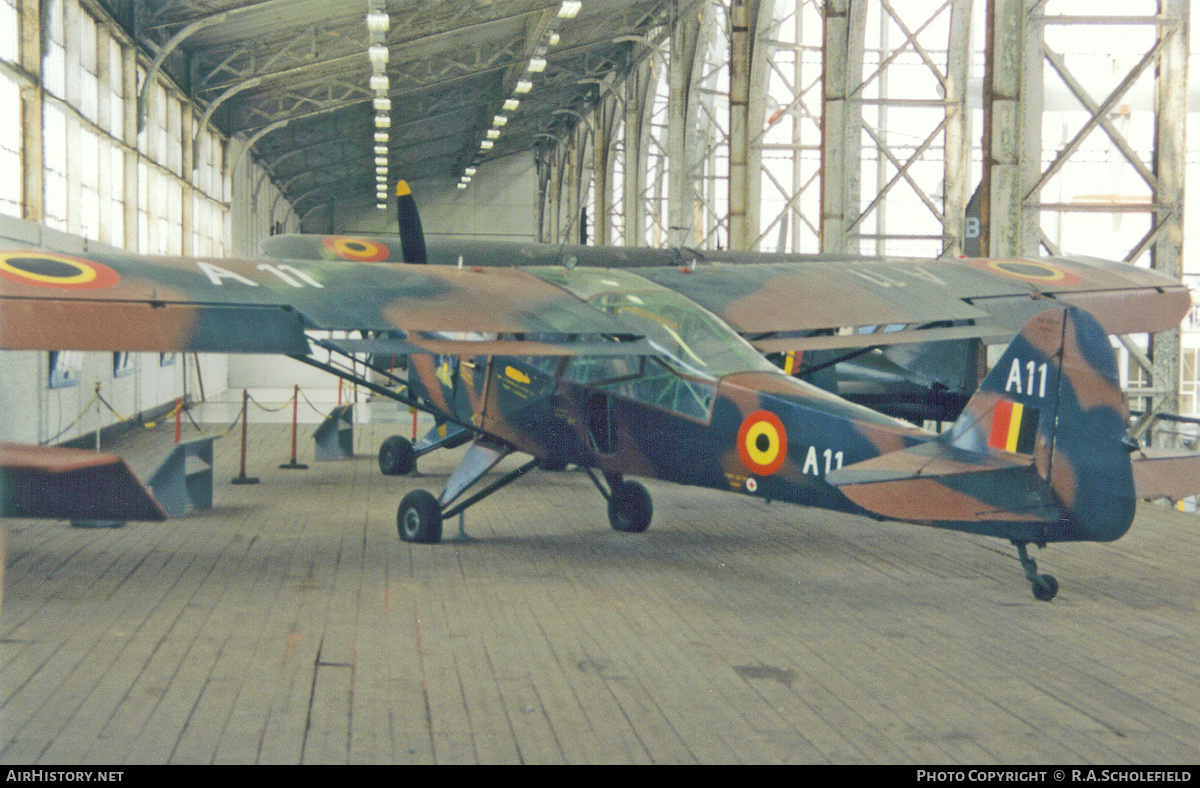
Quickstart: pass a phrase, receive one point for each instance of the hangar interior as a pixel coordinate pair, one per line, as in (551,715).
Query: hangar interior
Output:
(288,625)
(199,128)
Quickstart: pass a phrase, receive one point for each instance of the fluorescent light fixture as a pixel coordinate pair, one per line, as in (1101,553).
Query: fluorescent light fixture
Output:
(487,144)
(381,179)
(379,82)
(382,104)
(378,22)
(523,86)
(381,136)
(511,105)
(493,134)
(383,122)
(381,170)
(466,179)
(499,120)
(462,185)
(569,9)
(381,161)
(554,39)
(378,53)
(469,171)
(381,206)
(536,65)
(381,150)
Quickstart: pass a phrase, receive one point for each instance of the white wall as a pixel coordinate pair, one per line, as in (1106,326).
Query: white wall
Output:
(501,203)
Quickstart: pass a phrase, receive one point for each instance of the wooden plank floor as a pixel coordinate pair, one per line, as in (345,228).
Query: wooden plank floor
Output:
(290,625)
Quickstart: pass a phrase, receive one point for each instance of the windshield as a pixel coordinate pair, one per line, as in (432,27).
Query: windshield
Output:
(693,340)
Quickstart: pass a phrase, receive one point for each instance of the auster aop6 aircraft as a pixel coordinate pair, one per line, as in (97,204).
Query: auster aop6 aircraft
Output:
(659,372)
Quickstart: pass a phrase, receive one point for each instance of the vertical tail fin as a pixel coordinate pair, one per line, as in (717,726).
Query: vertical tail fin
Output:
(1055,395)
(412,237)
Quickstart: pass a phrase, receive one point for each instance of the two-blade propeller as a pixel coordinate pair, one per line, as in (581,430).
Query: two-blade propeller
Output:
(412,237)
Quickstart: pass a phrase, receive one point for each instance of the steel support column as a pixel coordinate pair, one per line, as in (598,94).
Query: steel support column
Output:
(841,122)
(1012,136)
(1170,165)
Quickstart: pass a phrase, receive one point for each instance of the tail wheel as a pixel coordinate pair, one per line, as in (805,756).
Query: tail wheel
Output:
(630,508)
(419,518)
(1045,587)
(396,456)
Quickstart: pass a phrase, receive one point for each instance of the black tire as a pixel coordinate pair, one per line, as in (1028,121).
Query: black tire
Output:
(419,518)
(396,456)
(1045,587)
(630,508)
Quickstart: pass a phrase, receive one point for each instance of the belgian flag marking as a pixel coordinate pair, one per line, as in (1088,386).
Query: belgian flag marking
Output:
(356,249)
(45,269)
(762,442)
(1014,427)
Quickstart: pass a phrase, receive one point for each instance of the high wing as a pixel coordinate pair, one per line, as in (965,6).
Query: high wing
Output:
(806,302)
(804,305)
(53,301)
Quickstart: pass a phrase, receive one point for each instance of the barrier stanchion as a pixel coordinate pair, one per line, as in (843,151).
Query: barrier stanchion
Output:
(178,419)
(97,398)
(242,478)
(413,411)
(293,465)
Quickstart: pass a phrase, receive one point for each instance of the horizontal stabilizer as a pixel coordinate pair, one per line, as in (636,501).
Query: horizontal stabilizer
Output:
(939,484)
(71,484)
(1165,474)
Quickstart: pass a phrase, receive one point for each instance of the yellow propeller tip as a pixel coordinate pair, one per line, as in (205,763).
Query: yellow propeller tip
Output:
(402,189)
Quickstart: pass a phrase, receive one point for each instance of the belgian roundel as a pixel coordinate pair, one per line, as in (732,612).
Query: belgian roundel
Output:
(762,442)
(357,249)
(1033,271)
(45,269)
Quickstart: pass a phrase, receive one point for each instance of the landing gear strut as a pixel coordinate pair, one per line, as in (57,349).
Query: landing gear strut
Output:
(1045,587)
(420,516)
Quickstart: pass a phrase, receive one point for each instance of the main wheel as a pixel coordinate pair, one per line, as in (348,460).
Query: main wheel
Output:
(419,518)
(396,456)
(1045,587)
(630,508)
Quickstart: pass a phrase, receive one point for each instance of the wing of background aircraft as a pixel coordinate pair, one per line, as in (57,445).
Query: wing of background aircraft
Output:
(800,303)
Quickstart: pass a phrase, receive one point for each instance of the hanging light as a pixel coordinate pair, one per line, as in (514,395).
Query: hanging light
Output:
(381,150)
(511,105)
(381,161)
(378,53)
(536,65)
(382,104)
(499,120)
(382,170)
(462,185)
(469,171)
(378,22)
(381,136)
(383,122)
(554,39)
(487,144)
(379,83)
(493,134)
(523,86)
(569,9)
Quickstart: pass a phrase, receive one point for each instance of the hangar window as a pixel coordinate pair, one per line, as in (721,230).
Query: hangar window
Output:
(9,36)
(10,147)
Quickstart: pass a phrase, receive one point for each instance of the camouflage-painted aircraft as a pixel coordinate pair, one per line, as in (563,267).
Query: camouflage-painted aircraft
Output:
(659,373)
(916,381)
